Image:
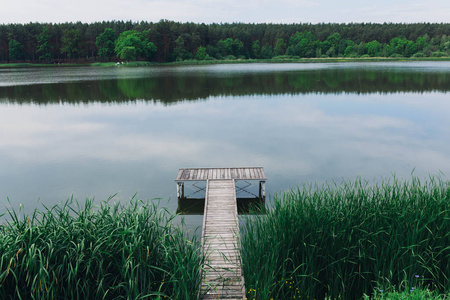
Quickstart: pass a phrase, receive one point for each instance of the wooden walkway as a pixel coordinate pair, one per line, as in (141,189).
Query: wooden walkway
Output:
(222,278)
(222,275)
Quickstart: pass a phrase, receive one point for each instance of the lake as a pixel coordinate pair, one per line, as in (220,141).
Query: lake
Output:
(94,132)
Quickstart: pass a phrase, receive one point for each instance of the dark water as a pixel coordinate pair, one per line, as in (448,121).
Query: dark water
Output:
(93,132)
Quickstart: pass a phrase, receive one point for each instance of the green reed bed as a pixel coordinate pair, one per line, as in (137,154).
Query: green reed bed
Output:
(350,239)
(107,251)
(410,293)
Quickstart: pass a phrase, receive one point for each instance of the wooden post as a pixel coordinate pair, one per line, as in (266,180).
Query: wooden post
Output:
(262,190)
(180,190)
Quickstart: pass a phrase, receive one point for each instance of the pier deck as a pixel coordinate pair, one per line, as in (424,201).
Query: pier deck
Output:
(222,278)
(222,275)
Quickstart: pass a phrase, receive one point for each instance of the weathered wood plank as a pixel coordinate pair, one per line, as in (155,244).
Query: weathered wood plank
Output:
(199,174)
(251,173)
(180,172)
(260,175)
(223,273)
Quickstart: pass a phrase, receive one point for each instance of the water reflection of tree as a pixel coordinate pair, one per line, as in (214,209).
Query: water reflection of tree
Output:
(180,87)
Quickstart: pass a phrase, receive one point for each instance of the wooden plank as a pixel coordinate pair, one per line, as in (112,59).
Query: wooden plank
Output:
(220,240)
(252,173)
(263,174)
(180,172)
(249,176)
(256,171)
(260,175)
(197,174)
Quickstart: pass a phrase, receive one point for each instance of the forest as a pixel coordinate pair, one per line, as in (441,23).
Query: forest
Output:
(168,41)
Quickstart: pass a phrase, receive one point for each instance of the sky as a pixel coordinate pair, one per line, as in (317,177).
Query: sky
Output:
(228,11)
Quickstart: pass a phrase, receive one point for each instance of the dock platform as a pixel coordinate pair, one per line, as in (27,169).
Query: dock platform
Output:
(222,275)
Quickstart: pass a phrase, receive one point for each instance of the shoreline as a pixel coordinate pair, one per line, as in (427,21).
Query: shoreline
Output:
(234,61)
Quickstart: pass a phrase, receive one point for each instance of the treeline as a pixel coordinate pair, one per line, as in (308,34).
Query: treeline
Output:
(167,41)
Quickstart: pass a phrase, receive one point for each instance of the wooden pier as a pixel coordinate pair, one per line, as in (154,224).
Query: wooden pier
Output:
(222,275)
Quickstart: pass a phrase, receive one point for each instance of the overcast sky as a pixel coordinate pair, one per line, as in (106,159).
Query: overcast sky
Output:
(215,11)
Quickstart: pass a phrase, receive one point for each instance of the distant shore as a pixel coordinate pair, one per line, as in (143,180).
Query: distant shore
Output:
(232,61)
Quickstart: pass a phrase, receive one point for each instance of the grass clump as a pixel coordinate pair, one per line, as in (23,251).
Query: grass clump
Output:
(107,251)
(343,241)
(410,293)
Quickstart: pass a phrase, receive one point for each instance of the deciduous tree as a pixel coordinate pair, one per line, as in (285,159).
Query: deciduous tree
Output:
(201,53)
(280,47)
(105,43)
(132,45)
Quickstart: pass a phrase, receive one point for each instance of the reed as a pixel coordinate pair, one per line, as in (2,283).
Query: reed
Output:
(411,293)
(347,240)
(106,251)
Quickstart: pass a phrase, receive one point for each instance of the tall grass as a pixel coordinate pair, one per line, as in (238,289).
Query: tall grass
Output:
(348,240)
(107,251)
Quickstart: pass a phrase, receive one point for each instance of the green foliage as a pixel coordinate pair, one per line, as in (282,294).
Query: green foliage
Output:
(403,47)
(229,46)
(256,49)
(44,47)
(437,54)
(15,50)
(201,53)
(71,42)
(132,45)
(180,51)
(373,48)
(331,44)
(78,41)
(128,53)
(418,54)
(343,241)
(422,43)
(350,51)
(109,251)
(302,45)
(105,43)
(280,47)
(267,52)
(407,293)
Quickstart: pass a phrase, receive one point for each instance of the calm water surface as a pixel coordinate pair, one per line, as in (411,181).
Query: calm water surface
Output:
(93,132)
